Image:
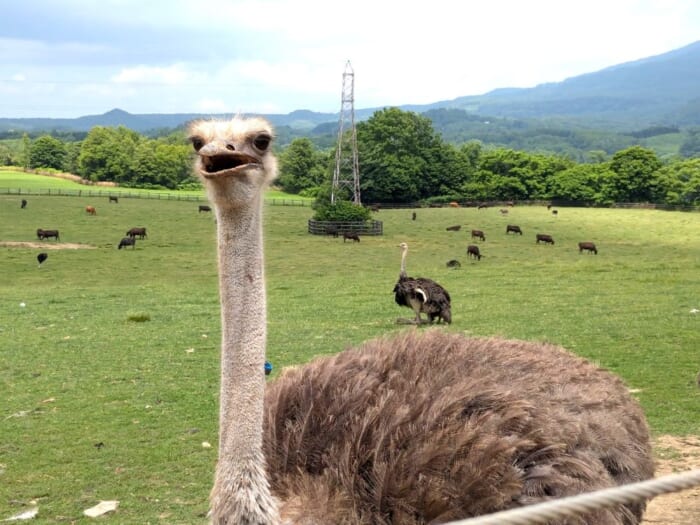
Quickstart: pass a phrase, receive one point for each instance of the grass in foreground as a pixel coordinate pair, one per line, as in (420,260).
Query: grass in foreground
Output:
(109,372)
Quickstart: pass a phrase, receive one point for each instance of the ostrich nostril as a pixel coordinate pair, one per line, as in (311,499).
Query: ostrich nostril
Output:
(230,147)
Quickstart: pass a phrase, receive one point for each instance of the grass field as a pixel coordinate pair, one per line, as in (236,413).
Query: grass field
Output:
(109,372)
(29,183)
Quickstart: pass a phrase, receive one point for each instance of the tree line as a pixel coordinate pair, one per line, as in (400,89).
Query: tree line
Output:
(402,160)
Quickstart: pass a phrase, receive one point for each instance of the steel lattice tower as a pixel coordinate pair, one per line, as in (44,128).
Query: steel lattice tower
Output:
(347,172)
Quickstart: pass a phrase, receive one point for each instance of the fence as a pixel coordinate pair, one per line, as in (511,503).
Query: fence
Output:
(174,196)
(341,227)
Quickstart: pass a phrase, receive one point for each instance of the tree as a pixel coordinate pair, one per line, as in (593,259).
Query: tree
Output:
(680,182)
(301,166)
(635,175)
(401,157)
(107,153)
(159,164)
(47,152)
(579,183)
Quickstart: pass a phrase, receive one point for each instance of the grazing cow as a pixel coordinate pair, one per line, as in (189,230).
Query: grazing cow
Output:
(473,251)
(587,246)
(332,231)
(42,257)
(352,236)
(141,232)
(454,228)
(503,211)
(113,198)
(47,234)
(513,228)
(482,205)
(413,217)
(127,241)
(454,204)
(90,210)
(24,204)
(478,234)
(510,203)
(204,207)
(555,212)
(453,263)
(549,206)
(547,239)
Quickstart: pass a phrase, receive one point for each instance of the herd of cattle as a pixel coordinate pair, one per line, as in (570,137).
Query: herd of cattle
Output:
(545,238)
(128,240)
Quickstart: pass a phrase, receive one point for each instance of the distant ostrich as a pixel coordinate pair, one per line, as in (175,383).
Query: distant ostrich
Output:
(421,294)
(424,427)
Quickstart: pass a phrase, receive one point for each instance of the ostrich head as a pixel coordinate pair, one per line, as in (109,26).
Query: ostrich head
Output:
(238,149)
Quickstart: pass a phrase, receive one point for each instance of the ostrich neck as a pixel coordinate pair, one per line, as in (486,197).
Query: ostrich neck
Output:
(241,472)
(403,262)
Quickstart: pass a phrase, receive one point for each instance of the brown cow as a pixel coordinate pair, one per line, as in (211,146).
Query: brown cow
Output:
(47,234)
(478,234)
(204,207)
(547,239)
(473,251)
(588,246)
(352,236)
(141,232)
(90,210)
(513,228)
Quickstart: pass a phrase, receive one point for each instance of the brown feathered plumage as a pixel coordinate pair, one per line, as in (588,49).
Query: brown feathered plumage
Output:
(427,428)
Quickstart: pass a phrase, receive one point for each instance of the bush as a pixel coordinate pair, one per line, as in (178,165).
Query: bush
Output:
(341,211)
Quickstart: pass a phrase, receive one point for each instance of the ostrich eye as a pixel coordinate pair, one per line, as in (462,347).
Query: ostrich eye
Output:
(197,143)
(262,141)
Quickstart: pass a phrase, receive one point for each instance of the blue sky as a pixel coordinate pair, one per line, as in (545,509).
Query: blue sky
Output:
(67,58)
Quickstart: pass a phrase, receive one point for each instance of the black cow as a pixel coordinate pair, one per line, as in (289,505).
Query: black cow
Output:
(127,241)
(352,236)
(454,228)
(24,203)
(543,237)
(141,232)
(204,207)
(513,228)
(113,198)
(473,251)
(587,246)
(47,234)
(478,234)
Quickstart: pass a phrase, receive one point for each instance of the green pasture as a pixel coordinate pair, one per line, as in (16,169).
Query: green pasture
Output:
(28,184)
(109,372)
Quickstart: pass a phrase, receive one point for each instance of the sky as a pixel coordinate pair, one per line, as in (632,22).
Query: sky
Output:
(69,58)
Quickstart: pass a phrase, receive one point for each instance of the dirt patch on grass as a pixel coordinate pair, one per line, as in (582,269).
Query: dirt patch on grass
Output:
(45,245)
(675,455)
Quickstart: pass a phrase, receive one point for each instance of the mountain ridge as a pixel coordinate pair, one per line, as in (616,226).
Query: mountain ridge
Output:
(662,89)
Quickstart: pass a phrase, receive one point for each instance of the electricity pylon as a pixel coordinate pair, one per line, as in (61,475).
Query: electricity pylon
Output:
(347,172)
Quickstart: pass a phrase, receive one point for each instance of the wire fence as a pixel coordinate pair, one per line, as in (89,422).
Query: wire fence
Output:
(183,196)
(125,194)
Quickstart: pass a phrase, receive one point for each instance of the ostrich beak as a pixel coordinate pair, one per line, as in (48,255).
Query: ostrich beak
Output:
(217,160)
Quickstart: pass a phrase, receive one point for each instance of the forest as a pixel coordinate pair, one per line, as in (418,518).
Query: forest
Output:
(402,159)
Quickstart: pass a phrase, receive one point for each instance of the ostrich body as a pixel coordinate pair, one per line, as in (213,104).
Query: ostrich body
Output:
(422,295)
(414,429)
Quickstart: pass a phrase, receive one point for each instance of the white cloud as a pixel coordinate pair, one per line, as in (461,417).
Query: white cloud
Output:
(174,74)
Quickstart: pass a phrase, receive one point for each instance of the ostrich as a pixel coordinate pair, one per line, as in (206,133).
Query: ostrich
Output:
(421,427)
(421,294)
